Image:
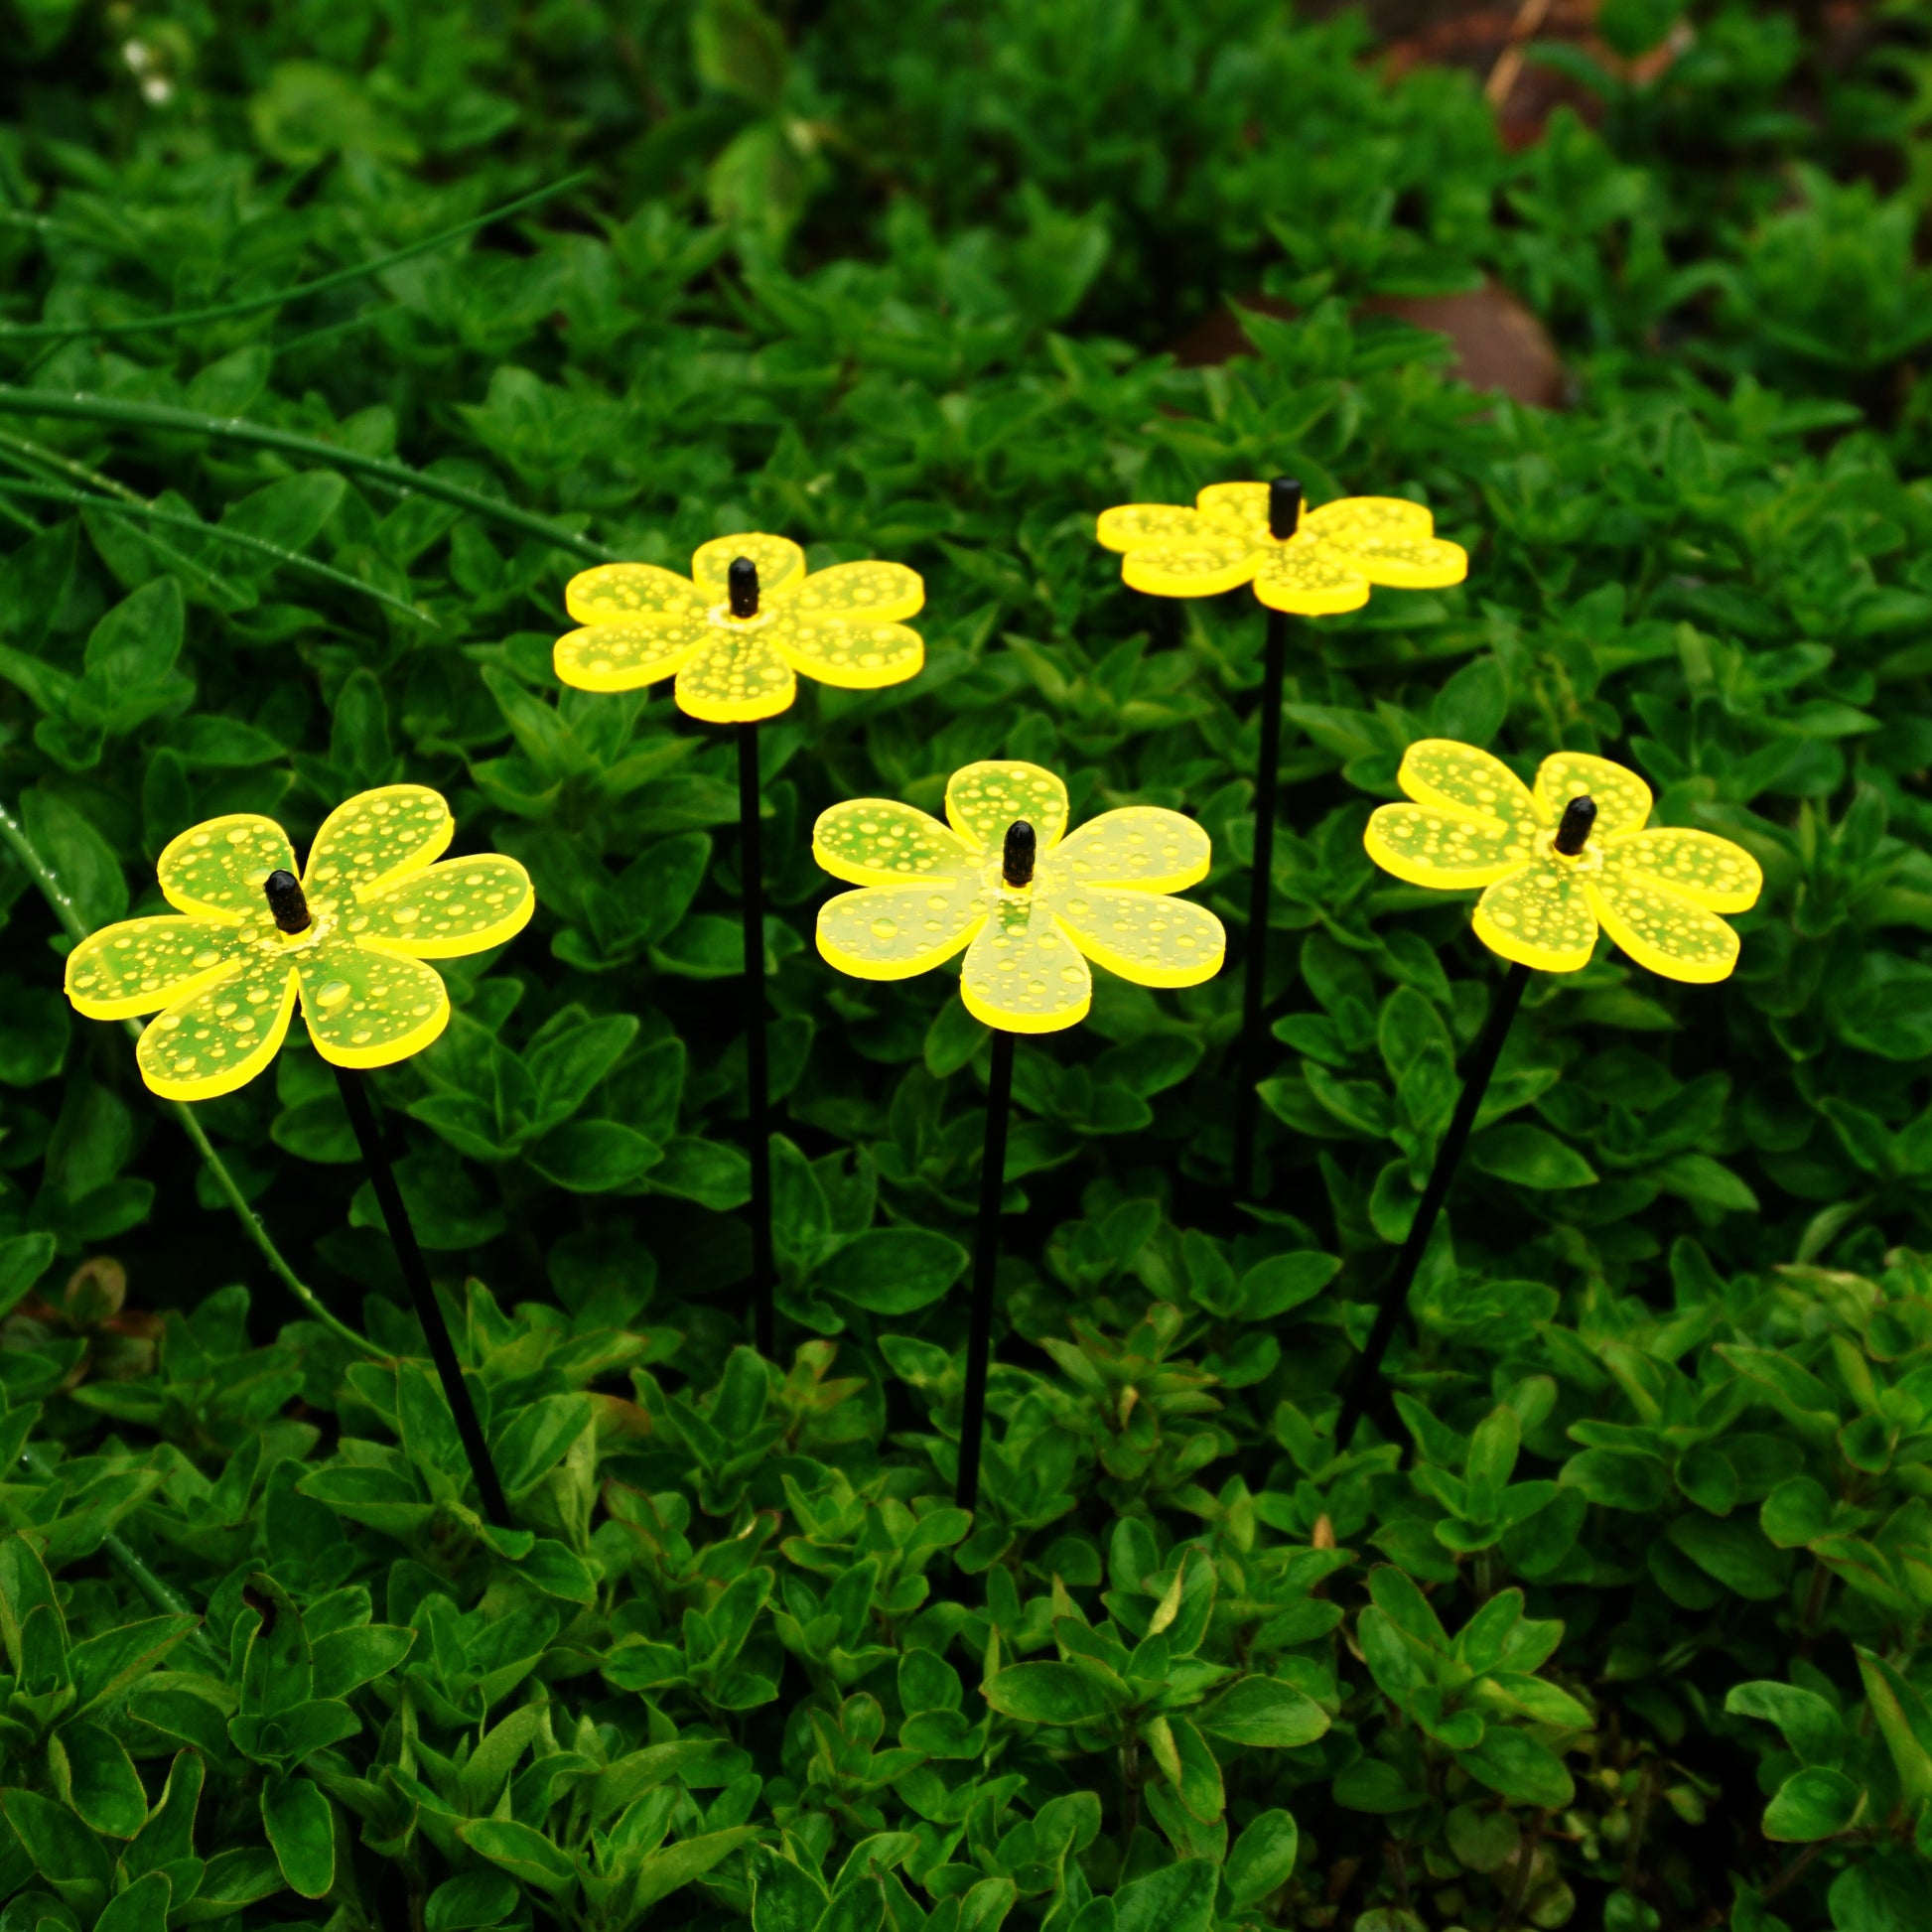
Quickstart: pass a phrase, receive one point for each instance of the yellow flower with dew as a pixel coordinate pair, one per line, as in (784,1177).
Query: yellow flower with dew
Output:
(1028,902)
(1561,860)
(742,629)
(1308,563)
(349,937)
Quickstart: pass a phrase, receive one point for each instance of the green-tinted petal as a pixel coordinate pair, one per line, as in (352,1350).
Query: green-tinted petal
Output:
(1201,566)
(1455,778)
(1541,917)
(1668,933)
(1023,973)
(1145,846)
(893,933)
(736,678)
(375,838)
(879,593)
(1697,866)
(879,841)
(1132,526)
(141,965)
(1445,851)
(1308,579)
(1365,519)
(1241,507)
(855,657)
(219,1038)
(365,1008)
(217,866)
(778,559)
(463,906)
(627,656)
(632,593)
(1622,798)
(983,800)
(1146,937)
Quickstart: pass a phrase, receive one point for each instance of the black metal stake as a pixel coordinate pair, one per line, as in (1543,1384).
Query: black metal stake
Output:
(986,1262)
(757,1120)
(383,1177)
(1364,1386)
(1284,518)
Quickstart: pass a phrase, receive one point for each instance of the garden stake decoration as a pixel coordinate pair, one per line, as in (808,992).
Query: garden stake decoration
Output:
(1306,563)
(349,938)
(737,633)
(1030,906)
(1557,864)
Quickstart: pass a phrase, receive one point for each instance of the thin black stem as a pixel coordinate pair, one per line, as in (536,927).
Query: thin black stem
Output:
(1364,1387)
(758,1119)
(1254,987)
(383,1177)
(986,1263)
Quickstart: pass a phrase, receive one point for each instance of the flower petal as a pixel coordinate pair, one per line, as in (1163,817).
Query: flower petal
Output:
(1541,917)
(1201,566)
(1672,935)
(1023,973)
(1457,777)
(1407,563)
(1448,851)
(734,677)
(983,799)
(778,559)
(462,906)
(882,592)
(893,933)
(1309,580)
(632,593)
(1622,798)
(219,1038)
(1238,506)
(1358,519)
(217,866)
(1697,866)
(1146,937)
(1143,846)
(141,965)
(365,1008)
(1132,526)
(627,655)
(375,838)
(879,841)
(860,656)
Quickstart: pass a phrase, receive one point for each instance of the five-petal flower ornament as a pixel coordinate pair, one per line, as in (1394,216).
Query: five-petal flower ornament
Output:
(1324,566)
(351,937)
(1029,904)
(740,630)
(1564,859)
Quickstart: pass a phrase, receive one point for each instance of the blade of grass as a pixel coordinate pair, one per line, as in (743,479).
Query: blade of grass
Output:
(44,876)
(113,507)
(49,332)
(152,415)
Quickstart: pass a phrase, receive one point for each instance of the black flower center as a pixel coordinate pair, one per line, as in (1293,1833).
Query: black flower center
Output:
(741,583)
(1017,860)
(287,903)
(1578,817)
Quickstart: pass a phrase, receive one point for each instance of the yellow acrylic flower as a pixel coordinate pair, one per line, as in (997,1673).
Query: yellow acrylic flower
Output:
(349,936)
(1029,904)
(1323,566)
(1561,860)
(740,629)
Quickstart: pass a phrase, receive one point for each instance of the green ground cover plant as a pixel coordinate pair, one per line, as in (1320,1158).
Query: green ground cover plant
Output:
(1625,1625)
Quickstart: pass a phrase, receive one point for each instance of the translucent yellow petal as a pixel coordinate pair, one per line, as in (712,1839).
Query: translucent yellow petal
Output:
(893,933)
(860,656)
(1146,937)
(982,800)
(1202,566)
(627,655)
(1697,866)
(884,593)
(632,593)
(1132,526)
(778,559)
(1670,935)
(1309,580)
(1023,973)
(219,1038)
(375,838)
(1143,846)
(462,906)
(1455,778)
(736,677)
(1407,563)
(1355,519)
(217,866)
(1238,506)
(141,965)
(1622,798)
(879,841)
(1448,851)
(365,1008)
(1541,917)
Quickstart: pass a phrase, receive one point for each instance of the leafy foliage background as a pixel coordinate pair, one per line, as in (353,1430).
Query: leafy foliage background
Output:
(1631,1639)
